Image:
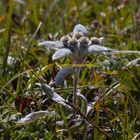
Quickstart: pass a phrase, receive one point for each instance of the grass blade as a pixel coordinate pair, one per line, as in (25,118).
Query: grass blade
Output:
(97,114)
(7,36)
(65,121)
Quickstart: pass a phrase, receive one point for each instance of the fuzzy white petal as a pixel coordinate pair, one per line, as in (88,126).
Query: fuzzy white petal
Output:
(51,44)
(81,29)
(96,49)
(61,53)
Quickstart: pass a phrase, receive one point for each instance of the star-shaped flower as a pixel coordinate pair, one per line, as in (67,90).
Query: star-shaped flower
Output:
(76,46)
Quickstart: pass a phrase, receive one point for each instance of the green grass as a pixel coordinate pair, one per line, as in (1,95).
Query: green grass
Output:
(115,115)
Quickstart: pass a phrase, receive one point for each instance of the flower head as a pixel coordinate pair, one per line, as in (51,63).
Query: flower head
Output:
(77,35)
(65,39)
(84,42)
(95,40)
(76,45)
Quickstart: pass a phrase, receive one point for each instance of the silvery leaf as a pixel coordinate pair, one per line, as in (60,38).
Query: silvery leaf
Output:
(62,74)
(81,29)
(51,44)
(97,49)
(84,102)
(53,95)
(61,53)
(35,115)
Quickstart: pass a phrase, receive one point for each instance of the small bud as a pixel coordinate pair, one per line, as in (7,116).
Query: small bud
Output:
(94,40)
(84,41)
(73,44)
(73,41)
(65,40)
(77,35)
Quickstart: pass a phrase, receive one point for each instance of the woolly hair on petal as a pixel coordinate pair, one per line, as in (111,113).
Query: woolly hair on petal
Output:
(97,49)
(81,29)
(51,44)
(61,53)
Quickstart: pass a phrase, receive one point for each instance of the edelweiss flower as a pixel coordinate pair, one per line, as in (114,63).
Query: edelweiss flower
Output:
(76,46)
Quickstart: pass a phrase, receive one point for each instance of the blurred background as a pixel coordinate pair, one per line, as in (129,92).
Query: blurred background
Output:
(102,17)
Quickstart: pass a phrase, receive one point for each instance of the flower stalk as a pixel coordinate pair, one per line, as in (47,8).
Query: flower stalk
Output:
(75,85)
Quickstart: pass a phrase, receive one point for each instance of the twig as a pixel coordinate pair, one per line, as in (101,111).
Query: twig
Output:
(88,120)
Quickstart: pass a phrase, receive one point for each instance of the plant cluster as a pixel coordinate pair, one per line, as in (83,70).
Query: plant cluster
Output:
(82,83)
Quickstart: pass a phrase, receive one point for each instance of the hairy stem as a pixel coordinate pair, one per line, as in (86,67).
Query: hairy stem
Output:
(75,84)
